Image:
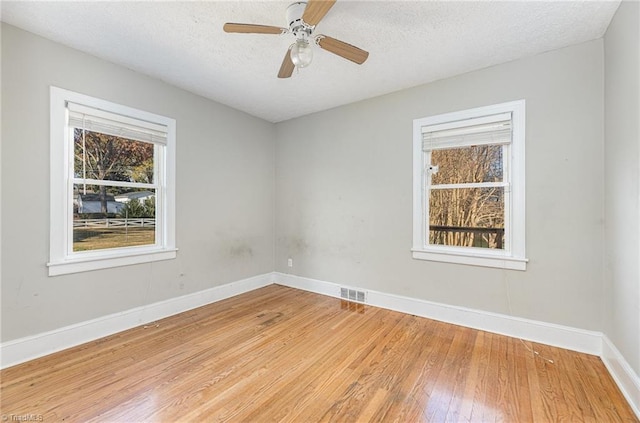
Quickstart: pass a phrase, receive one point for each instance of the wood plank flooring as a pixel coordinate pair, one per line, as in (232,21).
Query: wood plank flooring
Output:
(280,354)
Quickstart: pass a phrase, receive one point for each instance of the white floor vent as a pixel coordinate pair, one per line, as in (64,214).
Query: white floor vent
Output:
(353,295)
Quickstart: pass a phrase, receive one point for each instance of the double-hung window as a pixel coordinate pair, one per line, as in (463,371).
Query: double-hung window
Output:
(112,184)
(469,187)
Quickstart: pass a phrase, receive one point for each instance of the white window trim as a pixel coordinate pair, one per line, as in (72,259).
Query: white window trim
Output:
(60,261)
(515,258)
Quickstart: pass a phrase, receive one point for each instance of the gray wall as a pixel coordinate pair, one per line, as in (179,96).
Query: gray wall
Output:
(622,182)
(344,191)
(225,191)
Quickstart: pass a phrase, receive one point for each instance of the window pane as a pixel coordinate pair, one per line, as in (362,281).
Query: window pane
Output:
(467,217)
(112,217)
(106,157)
(467,165)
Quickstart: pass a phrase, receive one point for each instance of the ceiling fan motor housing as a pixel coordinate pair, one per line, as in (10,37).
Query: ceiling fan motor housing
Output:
(294,18)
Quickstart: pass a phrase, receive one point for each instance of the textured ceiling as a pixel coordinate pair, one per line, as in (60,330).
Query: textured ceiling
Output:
(410,43)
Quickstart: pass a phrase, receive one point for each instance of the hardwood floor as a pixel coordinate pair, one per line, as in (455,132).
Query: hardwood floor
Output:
(280,354)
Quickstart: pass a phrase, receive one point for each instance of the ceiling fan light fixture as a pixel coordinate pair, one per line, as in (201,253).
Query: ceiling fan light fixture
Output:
(301,53)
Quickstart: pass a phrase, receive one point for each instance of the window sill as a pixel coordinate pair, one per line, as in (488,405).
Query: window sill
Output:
(86,264)
(471,259)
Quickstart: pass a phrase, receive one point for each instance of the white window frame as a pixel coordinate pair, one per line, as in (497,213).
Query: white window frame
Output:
(513,255)
(62,259)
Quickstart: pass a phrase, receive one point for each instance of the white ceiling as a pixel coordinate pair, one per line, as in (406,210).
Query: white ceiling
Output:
(410,43)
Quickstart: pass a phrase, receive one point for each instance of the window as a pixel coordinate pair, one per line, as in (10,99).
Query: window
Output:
(469,187)
(112,184)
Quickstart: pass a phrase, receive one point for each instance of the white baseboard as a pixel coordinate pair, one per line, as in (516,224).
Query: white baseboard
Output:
(546,333)
(24,349)
(626,379)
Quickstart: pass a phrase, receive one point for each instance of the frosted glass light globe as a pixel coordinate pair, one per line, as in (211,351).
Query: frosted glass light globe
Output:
(301,53)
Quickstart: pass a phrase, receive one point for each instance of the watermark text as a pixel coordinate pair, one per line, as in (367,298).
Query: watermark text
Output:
(22,418)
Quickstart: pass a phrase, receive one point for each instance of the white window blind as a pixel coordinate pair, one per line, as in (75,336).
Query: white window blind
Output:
(494,130)
(109,123)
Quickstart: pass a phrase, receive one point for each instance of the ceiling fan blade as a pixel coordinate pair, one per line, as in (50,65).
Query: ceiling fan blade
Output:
(286,69)
(343,49)
(252,29)
(315,10)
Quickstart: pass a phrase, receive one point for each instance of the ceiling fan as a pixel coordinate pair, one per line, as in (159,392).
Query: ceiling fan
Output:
(302,18)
